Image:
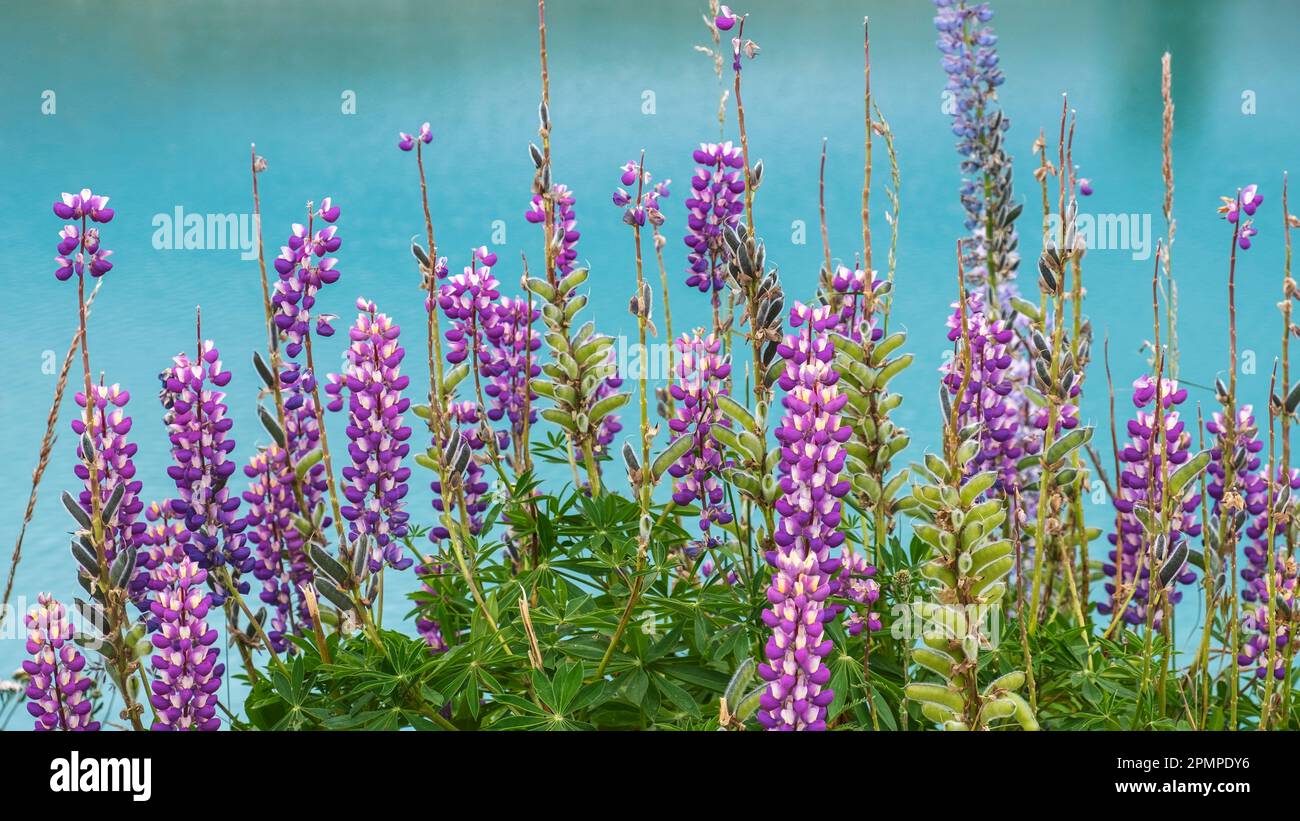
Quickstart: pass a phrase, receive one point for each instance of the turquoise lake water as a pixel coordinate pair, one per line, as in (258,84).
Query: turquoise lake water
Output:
(156,104)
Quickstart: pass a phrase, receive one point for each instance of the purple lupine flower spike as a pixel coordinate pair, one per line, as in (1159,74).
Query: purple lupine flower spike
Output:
(376,480)
(987,399)
(465,417)
(566,234)
(304,267)
(79,247)
(270,529)
(56,688)
(715,204)
(1248,199)
(1145,468)
(114,464)
(187,671)
(812,456)
(1261,633)
(702,373)
(199,431)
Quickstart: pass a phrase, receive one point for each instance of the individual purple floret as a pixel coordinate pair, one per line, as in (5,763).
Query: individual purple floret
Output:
(1142,482)
(715,203)
(56,688)
(811,437)
(375,482)
(407,141)
(199,431)
(702,374)
(187,672)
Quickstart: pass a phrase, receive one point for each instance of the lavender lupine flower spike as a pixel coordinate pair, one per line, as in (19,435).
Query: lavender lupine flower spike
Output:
(812,456)
(702,374)
(56,690)
(89,256)
(188,674)
(1145,469)
(376,479)
(275,539)
(199,431)
(715,204)
(114,464)
(1262,631)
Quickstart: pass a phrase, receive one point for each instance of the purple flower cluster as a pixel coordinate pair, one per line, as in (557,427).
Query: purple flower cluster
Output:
(565,234)
(855,307)
(56,688)
(277,544)
(81,239)
(376,479)
(304,266)
(407,141)
(199,431)
(702,374)
(187,672)
(469,300)
(1248,199)
(1142,482)
(853,581)
(429,628)
(113,462)
(512,363)
(465,415)
(715,204)
(812,455)
(987,398)
(1250,482)
(643,206)
(163,542)
(1262,634)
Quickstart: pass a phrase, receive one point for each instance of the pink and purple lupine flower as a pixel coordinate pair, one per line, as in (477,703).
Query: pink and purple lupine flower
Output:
(56,688)
(512,363)
(854,289)
(1248,199)
(376,480)
(305,266)
(642,206)
(277,543)
(1142,481)
(469,299)
(79,246)
(465,417)
(407,141)
(812,455)
(114,466)
(429,628)
(702,374)
(163,542)
(199,430)
(715,203)
(565,234)
(187,671)
(1262,635)
(854,581)
(726,18)
(986,400)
